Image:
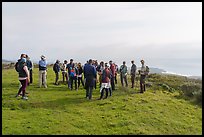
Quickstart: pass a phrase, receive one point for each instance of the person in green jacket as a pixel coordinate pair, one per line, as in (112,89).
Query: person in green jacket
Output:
(123,74)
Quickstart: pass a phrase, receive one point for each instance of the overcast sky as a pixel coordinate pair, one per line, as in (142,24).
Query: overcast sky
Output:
(104,31)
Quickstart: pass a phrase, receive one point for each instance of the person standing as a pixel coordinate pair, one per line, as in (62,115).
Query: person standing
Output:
(90,76)
(56,69)
(100,69)
(73,76)
(143,72)
(69,66)
(80,71)
(106,76)
(43,72)
(24,76)
(123,74)
(116,72)
(112,69)
(29,64)
(95,64)
(64,71)
(133,73)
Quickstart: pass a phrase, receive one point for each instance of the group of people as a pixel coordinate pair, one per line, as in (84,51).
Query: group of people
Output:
(73,73)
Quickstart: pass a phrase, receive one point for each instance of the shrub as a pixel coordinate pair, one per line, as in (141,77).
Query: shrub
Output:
(193,91)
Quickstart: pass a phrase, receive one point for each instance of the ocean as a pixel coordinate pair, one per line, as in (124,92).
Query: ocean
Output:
(185,67)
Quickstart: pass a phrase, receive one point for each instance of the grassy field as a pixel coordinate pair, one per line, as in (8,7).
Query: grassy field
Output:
(59,111)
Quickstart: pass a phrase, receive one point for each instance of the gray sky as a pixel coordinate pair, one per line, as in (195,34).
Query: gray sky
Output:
(104,31)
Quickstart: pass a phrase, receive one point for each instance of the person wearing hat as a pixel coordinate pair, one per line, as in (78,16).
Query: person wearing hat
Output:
(56,69)
(123,74)
(143,73)
(43,72)
(133,73)
(24,76)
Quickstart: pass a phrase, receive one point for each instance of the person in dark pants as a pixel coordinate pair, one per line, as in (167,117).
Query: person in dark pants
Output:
(24,77)
(143,72)
(30,68)
(56,69)
(133,73)
(64,71)
(95,64)
(123,74)
(105,85)
(116,72)
(70,65)
(73,76)
(80,72)
(100,69)
(89,75)
(112,69)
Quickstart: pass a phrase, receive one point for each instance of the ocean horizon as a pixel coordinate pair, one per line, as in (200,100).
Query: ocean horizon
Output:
(184,67)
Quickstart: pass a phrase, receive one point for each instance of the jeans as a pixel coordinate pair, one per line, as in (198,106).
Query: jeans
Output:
(102,92)
(75,82)
(89,92)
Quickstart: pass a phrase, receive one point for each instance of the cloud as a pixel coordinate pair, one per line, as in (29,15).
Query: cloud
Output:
(117,31)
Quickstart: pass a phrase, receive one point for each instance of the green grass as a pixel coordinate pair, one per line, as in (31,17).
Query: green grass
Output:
(57,110)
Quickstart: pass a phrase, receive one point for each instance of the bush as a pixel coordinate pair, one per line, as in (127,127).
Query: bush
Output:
(193,91)
(189,89)
(198,97)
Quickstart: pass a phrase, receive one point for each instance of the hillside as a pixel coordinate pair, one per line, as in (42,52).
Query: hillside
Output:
(166,108)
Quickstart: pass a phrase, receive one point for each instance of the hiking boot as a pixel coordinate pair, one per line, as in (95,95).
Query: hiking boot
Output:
(25,98)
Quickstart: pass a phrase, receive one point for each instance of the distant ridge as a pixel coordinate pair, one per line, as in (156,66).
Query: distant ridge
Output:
(7,61)
(156,70)
(151,70)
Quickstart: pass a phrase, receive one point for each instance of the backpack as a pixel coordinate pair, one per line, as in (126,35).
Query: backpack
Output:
(72,72)
(147,70)
(55,67)
(17,66)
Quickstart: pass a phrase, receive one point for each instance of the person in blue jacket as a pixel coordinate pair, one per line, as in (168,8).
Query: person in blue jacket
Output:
(43,72)
(90,76)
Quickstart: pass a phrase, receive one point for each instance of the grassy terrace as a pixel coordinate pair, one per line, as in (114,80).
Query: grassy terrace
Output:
(164,109)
